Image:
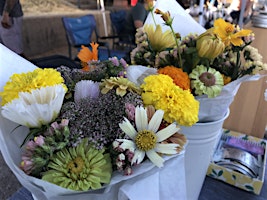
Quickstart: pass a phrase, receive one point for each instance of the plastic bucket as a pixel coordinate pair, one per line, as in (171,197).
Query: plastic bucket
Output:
(202,141)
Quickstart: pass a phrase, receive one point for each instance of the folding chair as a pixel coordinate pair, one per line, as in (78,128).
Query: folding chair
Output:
(120,41)
(79,31)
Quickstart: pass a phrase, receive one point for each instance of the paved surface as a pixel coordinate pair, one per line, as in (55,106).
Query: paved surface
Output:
(8,182)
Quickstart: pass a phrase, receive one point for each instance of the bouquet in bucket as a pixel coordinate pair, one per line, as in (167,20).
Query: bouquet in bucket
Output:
(88,129)
(211,64)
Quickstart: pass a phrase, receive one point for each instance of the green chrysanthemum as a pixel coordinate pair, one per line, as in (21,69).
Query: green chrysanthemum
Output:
(178,105)
(206,81)
(122,85)
(80,168)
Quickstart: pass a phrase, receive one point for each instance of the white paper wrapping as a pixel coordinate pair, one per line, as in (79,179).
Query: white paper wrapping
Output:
(213,109)
(210,109)
(183,23)
(147,182)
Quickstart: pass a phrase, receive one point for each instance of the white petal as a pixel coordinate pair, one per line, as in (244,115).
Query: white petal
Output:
(37,108)
(155,158)
(155,121)
(128,128)
(166,148)
(126,144)
(138,156)
(140,118)
(167,132)
(137,72)
(85,89)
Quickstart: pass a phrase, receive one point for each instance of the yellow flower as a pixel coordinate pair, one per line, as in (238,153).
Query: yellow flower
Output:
(26,82)
(228,34)
(159,40)
(149,5)
(209,45)
(122,85)
(178,105)
(180,78)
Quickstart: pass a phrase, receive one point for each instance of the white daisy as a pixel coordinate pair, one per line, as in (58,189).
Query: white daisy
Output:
(146,140)
(36,108)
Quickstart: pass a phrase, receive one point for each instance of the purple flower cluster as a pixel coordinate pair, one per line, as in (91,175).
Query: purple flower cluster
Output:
(98,119)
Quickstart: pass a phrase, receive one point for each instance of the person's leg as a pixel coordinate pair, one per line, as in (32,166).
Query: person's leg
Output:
(12,37)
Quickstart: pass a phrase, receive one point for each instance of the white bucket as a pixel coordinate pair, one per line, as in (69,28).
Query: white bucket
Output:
(202,141)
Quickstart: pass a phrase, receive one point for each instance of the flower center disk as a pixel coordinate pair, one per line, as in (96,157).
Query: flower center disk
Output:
(76,166)
(207,78)
(146,140)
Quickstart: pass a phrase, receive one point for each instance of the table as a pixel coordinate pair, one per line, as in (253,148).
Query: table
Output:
(212,190)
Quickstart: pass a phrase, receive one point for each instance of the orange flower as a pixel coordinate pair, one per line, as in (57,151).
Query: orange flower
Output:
(166,16)
(86,55)
(179,77)
(226,79)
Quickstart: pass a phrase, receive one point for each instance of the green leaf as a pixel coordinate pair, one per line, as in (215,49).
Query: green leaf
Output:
(249,187)
(220,173)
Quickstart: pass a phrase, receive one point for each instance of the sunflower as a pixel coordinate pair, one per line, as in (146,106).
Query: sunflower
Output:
(228,33)
(146,140)
(79,168)
(159,40)
(206,81)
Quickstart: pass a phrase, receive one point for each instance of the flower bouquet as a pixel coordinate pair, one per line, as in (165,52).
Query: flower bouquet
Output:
(87,133)
(209,64)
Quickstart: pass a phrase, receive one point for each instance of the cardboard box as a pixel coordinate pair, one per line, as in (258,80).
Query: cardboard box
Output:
(234,177)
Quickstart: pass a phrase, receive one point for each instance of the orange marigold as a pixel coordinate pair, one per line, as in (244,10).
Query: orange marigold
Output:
(179,77)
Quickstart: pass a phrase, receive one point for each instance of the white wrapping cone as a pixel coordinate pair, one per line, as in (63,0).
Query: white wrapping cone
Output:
(183,23)
(11,63)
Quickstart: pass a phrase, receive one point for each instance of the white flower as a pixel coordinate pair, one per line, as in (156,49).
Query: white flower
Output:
(253,53)
(86,89)
(40,107)
(137,73)
(146,140)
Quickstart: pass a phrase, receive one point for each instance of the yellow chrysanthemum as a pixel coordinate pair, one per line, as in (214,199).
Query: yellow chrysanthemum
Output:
(26,82)
(180,78)
(178,105)
(122,85)
(227,32)
(159,40)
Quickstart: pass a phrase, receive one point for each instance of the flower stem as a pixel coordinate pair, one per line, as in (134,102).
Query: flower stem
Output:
(153,17)
(178,49)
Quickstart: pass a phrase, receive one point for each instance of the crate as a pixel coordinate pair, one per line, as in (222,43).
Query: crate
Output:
(235,177)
